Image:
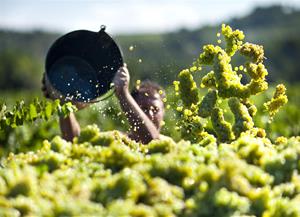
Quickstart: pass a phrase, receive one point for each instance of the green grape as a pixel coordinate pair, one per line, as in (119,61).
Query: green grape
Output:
(88,133)
(231,202)
(9,212)
(256,72)
(260,200)
(103,139)
(24,205)
(250,106)
(221,127)
(207,104)
(234,39)
(60,145)
(142,211)
(253,51)
(279,99)
(208,80)
(206,58)
(127,184)
(22,188)
(160,192)
(243,120)
(188,89)
(161,146)
(191,127)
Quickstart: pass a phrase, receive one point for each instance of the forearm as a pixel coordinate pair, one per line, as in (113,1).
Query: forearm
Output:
(143,129)
(69,127)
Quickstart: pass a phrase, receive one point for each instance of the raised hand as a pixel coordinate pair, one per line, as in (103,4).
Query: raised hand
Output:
(121,79)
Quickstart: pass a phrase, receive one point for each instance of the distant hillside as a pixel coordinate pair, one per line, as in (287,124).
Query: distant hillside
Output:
(161,56)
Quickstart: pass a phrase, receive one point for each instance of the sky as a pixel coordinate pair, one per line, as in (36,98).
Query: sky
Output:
(124,16)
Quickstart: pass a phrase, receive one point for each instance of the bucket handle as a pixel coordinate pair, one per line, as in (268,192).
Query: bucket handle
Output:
(102,28)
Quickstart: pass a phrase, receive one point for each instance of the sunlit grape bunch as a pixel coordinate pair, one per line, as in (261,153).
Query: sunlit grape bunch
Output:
(224,83)
(107,174)
(278,100)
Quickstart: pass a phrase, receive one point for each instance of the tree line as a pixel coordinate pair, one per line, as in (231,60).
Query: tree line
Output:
(161,56)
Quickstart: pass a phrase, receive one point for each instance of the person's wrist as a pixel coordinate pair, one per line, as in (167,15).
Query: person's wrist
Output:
(80,105)
(121,90)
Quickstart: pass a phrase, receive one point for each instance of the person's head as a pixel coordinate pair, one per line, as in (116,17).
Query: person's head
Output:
(149,96)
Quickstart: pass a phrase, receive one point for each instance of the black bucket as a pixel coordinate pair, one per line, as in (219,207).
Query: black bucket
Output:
(80,66)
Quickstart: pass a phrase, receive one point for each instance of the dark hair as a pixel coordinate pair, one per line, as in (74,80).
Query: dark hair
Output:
(148,87)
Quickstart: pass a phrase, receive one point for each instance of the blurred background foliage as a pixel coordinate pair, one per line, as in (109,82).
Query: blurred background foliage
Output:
(158,57)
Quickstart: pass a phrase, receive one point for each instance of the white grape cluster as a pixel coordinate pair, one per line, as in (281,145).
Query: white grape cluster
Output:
(224,83)
(107,174)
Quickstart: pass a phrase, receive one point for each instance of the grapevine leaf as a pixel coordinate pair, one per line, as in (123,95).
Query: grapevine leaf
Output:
(48,110)
(32,112)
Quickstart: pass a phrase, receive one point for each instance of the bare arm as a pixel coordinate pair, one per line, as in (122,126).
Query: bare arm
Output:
(143,129)
(69,126)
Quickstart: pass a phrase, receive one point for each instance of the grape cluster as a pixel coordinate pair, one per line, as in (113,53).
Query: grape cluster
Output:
(278,100)
(107,174)
(224,84)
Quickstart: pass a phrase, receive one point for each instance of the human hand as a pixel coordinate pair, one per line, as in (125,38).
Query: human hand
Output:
(121,79)
(50,93)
